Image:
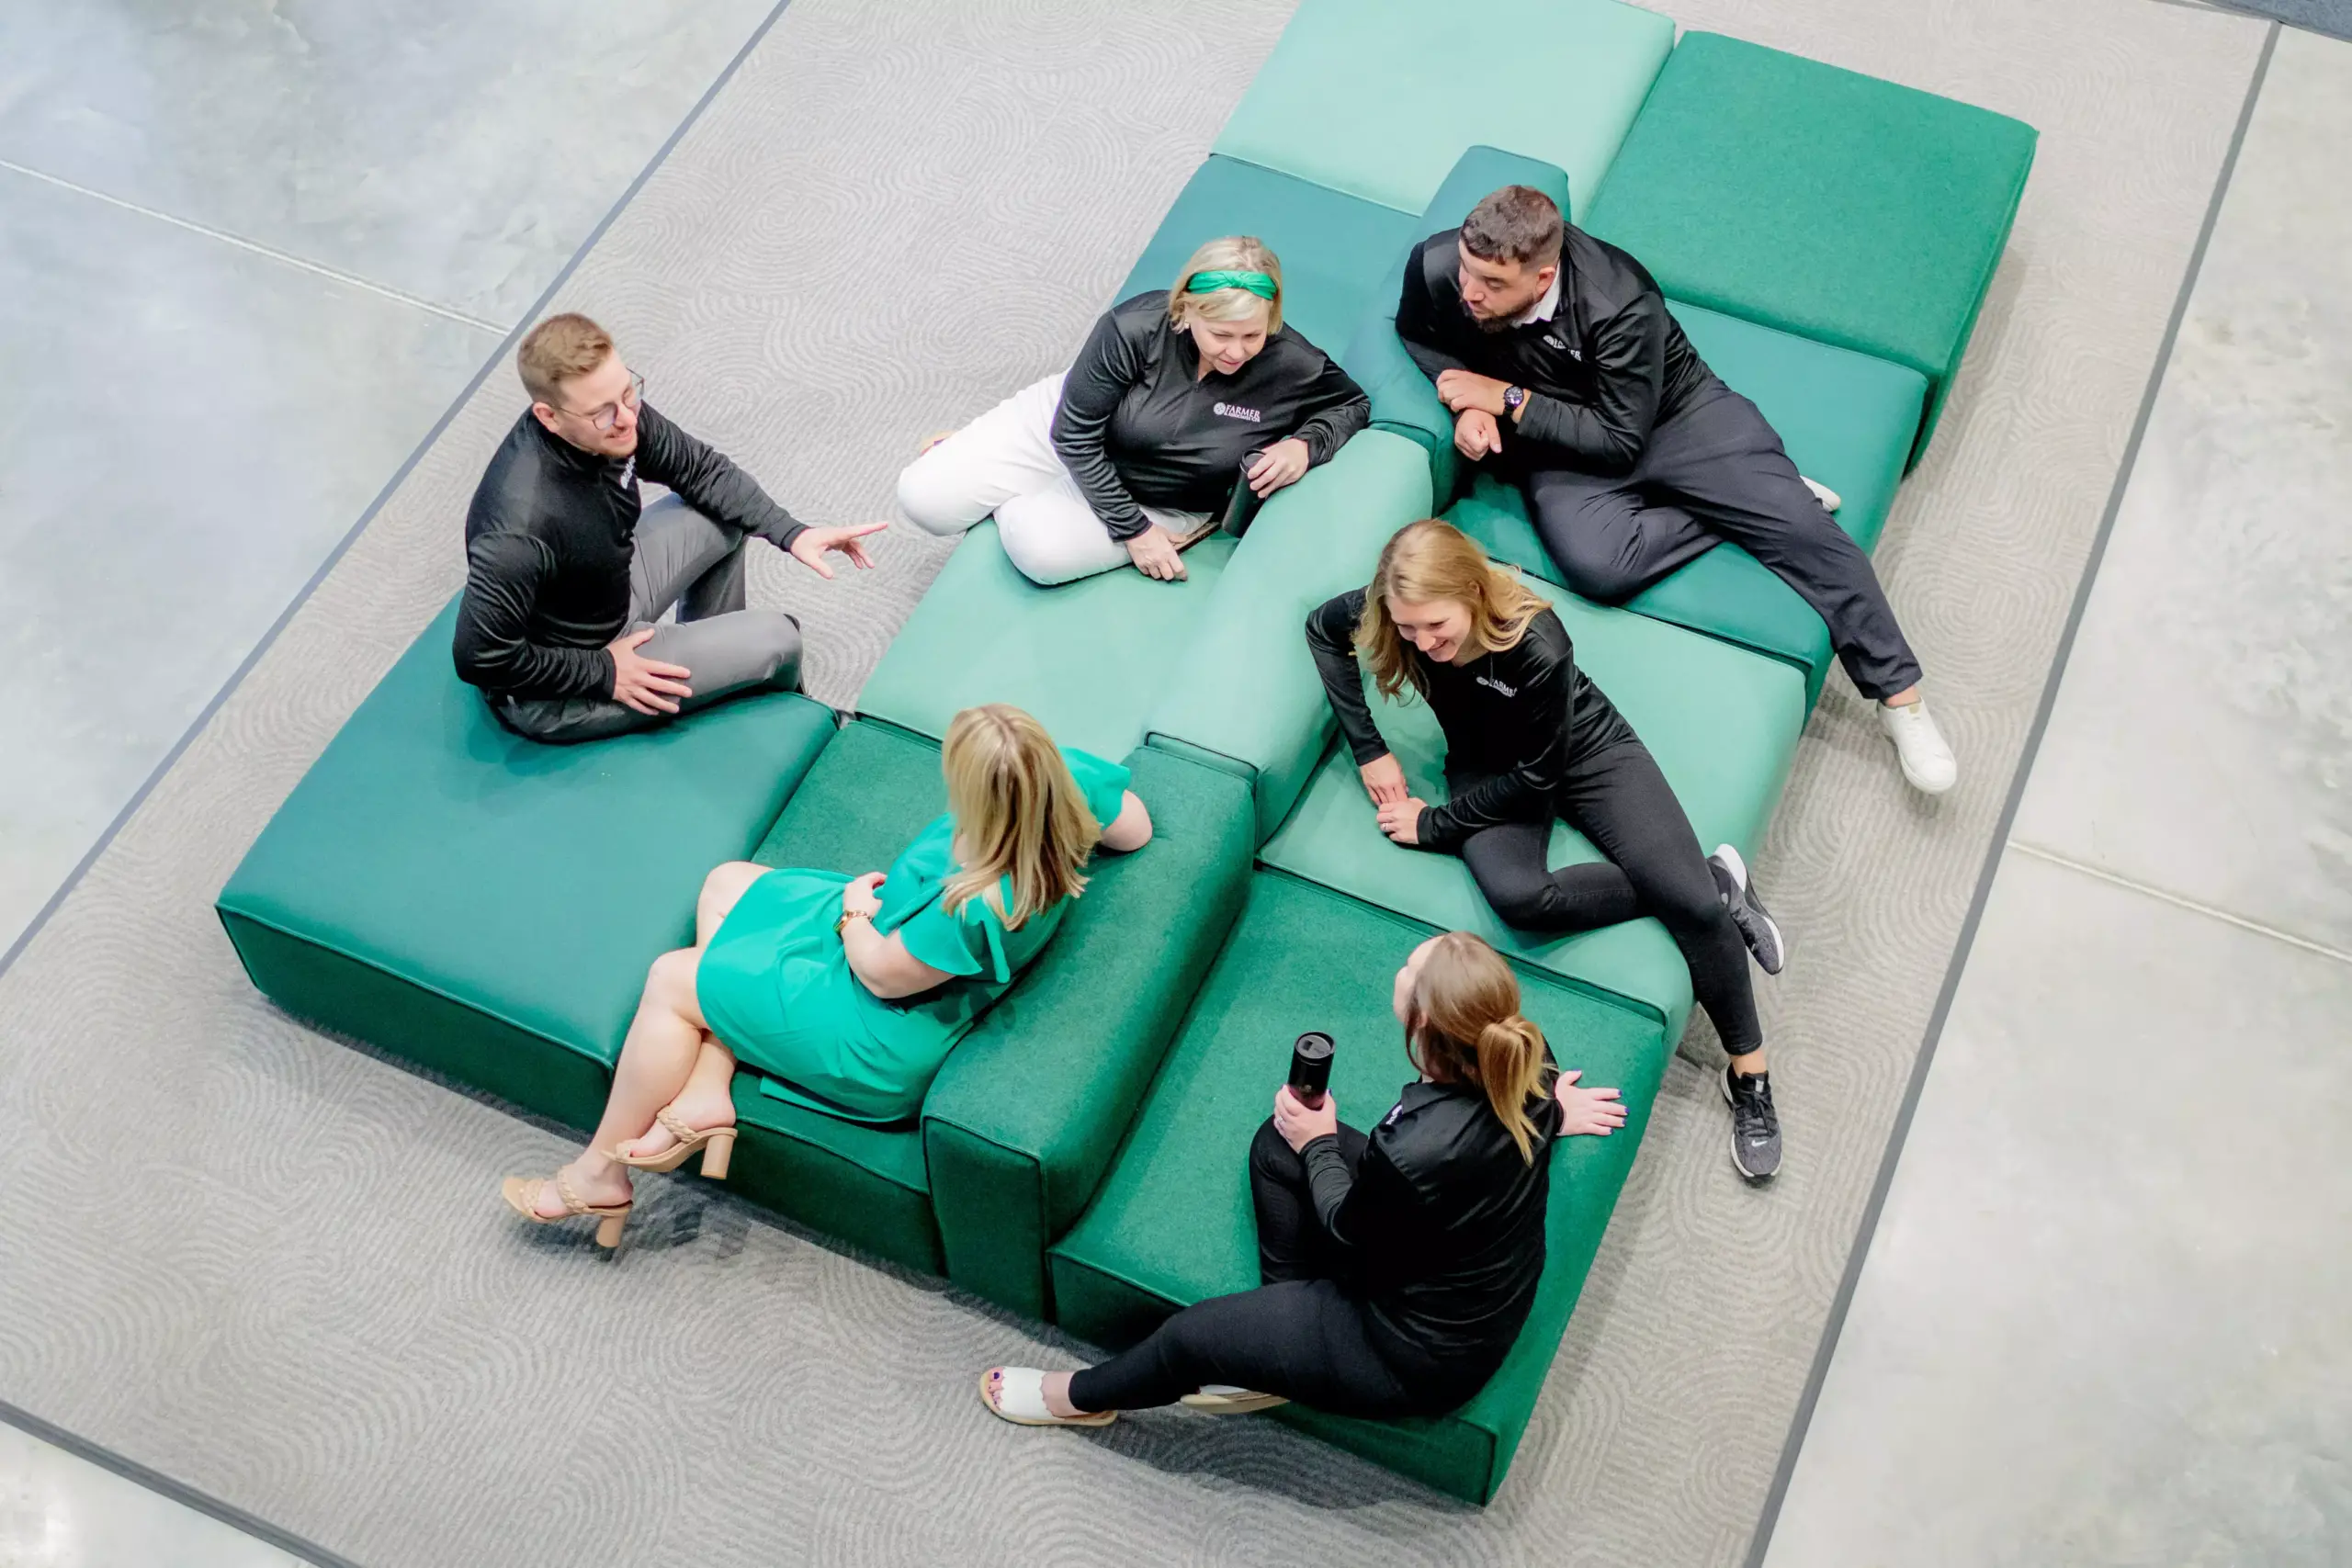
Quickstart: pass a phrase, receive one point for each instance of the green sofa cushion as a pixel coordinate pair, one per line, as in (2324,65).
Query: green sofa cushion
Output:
(1820,202)
(1333,248)
(1378,97)
(1723,723)
(486,905)
(1847,420)
(1087,659)
(1404,400)
(1023,1120)
(1247,693)
(1173,1223)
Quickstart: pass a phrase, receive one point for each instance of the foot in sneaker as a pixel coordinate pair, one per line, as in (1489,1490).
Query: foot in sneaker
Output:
(1757,928)
(1755,1125)
(1823,493)
(1927,758)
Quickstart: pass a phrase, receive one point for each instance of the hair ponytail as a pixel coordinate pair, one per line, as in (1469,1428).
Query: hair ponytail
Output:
(1466,1028)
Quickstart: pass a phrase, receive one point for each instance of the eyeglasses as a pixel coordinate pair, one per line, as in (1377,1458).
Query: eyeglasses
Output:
(605,418)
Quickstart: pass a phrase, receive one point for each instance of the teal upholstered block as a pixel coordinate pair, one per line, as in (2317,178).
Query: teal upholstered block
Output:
(1023,1117)
(1173,1223)
(486,905)
(1820,202)
(1723,723)
(1404,400)
(1334,249)
(1089,659)
(1378,97)
(1848,420)
(1247,692)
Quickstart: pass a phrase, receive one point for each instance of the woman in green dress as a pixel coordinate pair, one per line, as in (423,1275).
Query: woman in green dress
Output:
(847,993)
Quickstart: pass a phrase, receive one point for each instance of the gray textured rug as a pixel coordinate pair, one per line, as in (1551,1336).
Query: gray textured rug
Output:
(277,1268)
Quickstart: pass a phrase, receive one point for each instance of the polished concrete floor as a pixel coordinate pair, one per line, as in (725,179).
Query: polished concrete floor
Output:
(2099,1319)
(2102,1317)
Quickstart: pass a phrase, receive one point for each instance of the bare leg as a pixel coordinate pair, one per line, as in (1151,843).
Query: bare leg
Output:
(664,1043)
(719,892)
(707,1101)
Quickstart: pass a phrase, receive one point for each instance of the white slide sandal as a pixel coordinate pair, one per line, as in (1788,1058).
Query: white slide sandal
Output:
(1019,1396)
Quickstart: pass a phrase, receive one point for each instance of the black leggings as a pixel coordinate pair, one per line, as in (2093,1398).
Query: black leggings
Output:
(1616,796)
(1302,1334)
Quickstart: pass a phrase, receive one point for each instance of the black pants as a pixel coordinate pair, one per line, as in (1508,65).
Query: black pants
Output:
(1716,471)
(1616,796)
(1303,1334)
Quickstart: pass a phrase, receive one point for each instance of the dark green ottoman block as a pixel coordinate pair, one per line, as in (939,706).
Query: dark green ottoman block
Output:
(1022,1121)
(1087,659)
(486,905)
(1173,1225)
(1724,725)
(1848,420)
(1820,202)
(1335,249)
(1378,97)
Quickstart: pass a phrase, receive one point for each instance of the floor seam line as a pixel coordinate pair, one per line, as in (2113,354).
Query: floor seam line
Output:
(286,257)
(2180,901)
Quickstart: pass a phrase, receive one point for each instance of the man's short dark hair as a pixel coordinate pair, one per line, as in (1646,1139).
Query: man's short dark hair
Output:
(1517,223)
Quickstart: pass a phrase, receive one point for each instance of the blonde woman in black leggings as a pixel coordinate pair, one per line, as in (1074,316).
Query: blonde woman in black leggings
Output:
(1399,1265)
(1528,739)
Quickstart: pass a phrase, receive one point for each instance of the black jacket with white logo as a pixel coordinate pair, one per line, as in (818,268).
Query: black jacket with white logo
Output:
(1605,367)
(1140,426)
(1443,1219)
(1515,721)
(549,540)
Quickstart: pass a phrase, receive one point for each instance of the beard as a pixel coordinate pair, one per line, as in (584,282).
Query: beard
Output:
(1491,325)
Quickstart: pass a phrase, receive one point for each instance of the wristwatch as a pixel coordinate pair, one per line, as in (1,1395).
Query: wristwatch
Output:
(1512,398)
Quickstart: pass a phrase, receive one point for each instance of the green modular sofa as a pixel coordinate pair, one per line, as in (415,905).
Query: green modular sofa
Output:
(486,908)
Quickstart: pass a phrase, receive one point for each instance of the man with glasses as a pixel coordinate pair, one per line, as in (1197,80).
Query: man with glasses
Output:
(565,580)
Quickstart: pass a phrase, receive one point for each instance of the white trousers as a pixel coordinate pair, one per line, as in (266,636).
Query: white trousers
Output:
(1004,462)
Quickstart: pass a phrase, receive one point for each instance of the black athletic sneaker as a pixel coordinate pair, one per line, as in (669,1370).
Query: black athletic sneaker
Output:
(1757,928)
(1755,1125)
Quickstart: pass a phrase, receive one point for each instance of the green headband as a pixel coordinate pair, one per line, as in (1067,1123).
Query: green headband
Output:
(1256,283)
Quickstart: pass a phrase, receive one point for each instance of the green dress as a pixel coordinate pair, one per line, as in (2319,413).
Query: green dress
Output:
(775,985)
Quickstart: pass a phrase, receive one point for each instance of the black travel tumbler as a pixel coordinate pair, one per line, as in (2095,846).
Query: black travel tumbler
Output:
(1310,1068)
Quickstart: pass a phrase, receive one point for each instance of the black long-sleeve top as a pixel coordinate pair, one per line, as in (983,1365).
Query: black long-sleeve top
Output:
(1140,426)
(1442,1217)
(548,544)
(1514,719)
(1606,366)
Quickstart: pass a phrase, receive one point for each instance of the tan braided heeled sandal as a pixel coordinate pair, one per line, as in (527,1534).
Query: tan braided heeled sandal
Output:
(718,1145)
(522,1194)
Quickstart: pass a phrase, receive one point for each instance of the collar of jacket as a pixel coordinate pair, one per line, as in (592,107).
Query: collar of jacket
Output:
(578,460)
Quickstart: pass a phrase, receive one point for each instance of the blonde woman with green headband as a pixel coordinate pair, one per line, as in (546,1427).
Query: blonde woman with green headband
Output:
(1133,452)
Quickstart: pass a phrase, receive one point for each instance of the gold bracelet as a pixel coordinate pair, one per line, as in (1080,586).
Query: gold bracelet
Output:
(842,925)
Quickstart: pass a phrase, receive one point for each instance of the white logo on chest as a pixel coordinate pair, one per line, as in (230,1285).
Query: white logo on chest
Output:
(1235,411)
(1491,682)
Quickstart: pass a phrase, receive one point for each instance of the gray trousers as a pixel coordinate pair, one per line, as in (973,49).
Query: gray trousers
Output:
(683,559)
(1716,472)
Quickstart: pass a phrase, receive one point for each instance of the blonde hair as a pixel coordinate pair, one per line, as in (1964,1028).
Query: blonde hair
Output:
(556,350)
(1019,814)
(1431,560)
(1234,253)
(1463,1026)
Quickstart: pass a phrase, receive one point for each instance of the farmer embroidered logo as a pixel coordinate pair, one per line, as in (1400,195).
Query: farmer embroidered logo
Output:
(1235,411)
(1497,685)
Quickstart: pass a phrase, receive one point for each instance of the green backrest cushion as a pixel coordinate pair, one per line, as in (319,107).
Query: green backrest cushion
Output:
(1820,202)
(1246,692)
(1404,400)
(1334,248)
(519,879)
(1022,1119)
(1378,97)
(1087,659)
(1848,420)
(1722,723)
(1173,1223)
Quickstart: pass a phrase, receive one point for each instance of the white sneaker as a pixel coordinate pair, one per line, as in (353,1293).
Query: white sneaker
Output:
(1927,758)
(1823,493)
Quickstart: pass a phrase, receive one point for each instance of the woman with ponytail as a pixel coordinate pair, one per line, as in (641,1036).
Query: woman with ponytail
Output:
(1399,1265)
(1528,741)
(1132,453)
